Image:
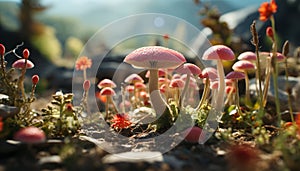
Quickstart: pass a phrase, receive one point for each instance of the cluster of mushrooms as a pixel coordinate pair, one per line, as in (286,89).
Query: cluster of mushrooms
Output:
(171,78)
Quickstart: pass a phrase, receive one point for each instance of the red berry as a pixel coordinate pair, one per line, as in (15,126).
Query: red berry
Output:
(2,49)
(35,79)
(26,53)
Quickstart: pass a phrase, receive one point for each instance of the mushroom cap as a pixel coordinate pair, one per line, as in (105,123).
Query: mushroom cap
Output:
(247,56)
(218,52)
(107,91)
(214,84)
(129,88)
(243,66)
(106,83)
(154,57)
(163,80)
(20,64)
(235,75)
(30,135)
(140,85)
(133,78)
(209,72)
(178,83)
(188,68)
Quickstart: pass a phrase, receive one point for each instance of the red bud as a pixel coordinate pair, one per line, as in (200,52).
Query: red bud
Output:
(2,49)
(86,85)
(270,33)
(35,79)
(26,53)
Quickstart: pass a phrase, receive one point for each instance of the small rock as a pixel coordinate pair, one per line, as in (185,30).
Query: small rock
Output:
(8,111)
(134,157)
(50,159)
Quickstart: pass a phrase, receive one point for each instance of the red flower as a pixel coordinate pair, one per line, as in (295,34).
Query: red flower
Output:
(83,63)
(267,9)
(120,121)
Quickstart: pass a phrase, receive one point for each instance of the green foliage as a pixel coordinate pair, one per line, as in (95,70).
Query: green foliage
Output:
(73,46)
(48,44)
(61,118)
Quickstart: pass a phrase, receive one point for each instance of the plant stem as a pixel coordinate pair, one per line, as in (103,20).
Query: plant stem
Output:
(285,51)
(255,42)
(275,72)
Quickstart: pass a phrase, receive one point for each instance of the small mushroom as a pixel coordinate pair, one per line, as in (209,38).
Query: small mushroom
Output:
(208,74)
(108,92)
(106,83)
(235,76)
(219,53)
(245,66)
(177,85)
(22,64)
(188,69)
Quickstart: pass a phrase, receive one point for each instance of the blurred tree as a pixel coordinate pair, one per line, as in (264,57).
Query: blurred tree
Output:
(28,25)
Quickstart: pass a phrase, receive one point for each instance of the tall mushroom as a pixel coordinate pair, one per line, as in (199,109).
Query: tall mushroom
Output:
(245,66)
(23,65)
(153,58)
(219,53)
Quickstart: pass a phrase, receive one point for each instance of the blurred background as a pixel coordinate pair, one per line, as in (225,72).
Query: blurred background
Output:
(56,31)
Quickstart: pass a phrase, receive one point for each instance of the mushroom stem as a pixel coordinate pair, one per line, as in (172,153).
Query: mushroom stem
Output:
(21,80)
(158,103)
(205,93)
(237,97)
(221,87)
(106,108)
(247,95)
(114,107)
(267,82)
(185,88)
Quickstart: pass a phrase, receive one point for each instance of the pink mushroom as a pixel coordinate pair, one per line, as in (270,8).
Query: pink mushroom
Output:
(21,63)
(188,69)
(219,53)
(108,92)
(31,135)
(106,83)
(153,58)
(235,76)
(245,66)
(208,75)
(134,79)
(177,85)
